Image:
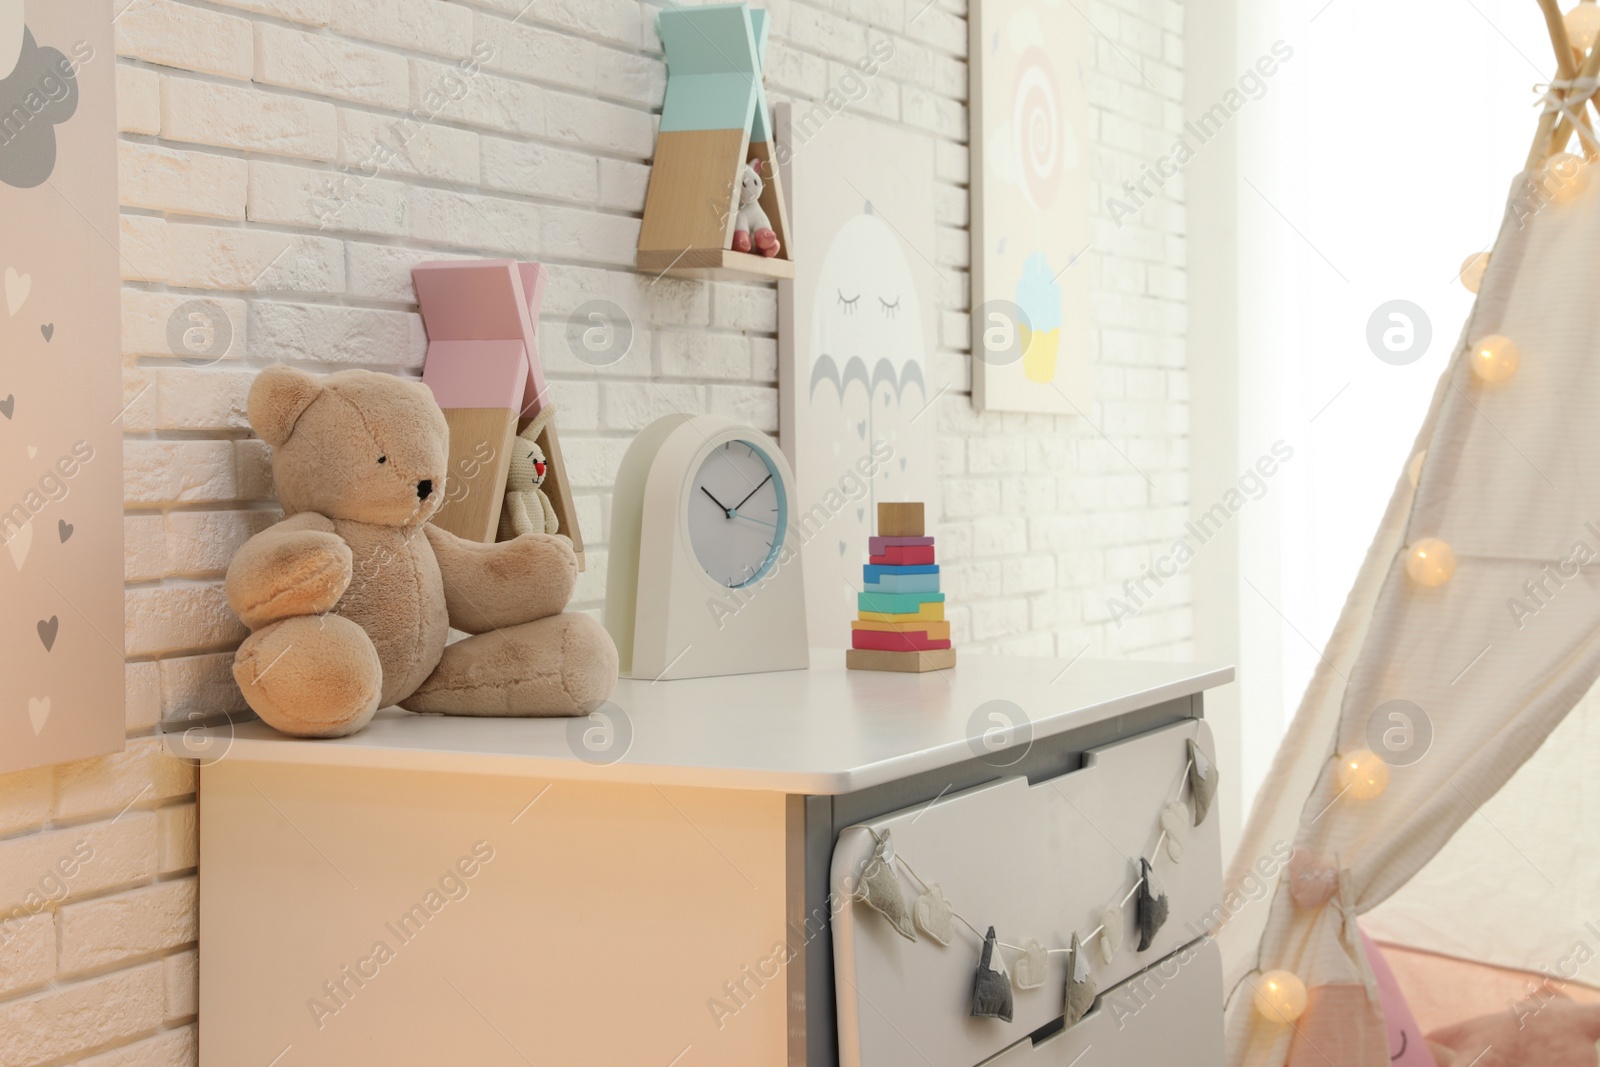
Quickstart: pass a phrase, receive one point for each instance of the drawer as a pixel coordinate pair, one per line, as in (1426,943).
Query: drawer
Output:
(1175,1005)
(1036,861)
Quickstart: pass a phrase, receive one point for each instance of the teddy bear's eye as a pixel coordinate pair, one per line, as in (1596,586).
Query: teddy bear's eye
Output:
(383,459)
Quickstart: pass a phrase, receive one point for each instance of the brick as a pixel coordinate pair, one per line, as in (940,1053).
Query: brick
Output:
(177,838)
(386,145)
(205,257)
(202,543)
(539,170)
(147,317)
(441,91)
(143,244)
(27,951)
(307,12)
(171,618)
(635,405)
(234,117)
(597,124)
(185,183)
(329,201)
(320,333)
(589,235)
(545,55)
(611,20)
(142,772)
(144,551)
(138,100)
(191,399)
(177,472)
(704,355)
(27,800)
(142,700)
(191,38)
(101,932)
(181,976)
(623,184)
(328,66)
(477,222)
(383,272)
(70,1017)
(421,25)
(171,1048)
(754,405)
(40,870)
(196,686)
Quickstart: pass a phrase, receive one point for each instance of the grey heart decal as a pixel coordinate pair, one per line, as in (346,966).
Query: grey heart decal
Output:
(861,429)
(902,463)
(47,632)
(842,547)
(8,405)
(49,331)
(64,528)
(861,514)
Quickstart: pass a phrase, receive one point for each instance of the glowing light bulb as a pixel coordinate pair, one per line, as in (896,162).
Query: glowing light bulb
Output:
(1473,266)
(1583,23)
(1280,996)
(1495,358)
(1363,774)
(1414,468)
(1430,562)
(1565,177)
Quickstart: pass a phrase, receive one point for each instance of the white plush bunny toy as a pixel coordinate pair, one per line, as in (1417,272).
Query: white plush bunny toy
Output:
(752,225)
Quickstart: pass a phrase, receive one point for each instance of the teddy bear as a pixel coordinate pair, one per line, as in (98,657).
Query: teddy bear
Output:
(751,224)
(527,509)
(351,597)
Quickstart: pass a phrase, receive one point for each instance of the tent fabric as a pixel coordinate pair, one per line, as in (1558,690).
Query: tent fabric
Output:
(1511,480)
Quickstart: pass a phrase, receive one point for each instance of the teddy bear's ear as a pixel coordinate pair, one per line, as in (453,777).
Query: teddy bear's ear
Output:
(278,397)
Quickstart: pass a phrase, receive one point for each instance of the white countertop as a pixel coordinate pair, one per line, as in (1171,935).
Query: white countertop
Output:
(821,731)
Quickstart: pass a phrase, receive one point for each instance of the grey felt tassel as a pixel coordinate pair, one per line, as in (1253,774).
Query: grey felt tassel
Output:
(1202,782)
(991,989)
(1152,909)
(880,888)
(1081,990)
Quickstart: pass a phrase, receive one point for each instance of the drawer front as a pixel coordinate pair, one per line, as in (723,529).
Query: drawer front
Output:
(1170,1013)
(1036,862)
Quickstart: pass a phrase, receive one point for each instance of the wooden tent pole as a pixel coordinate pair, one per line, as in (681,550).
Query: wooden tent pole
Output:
(1589,69)
(1558,38)
(1543,141)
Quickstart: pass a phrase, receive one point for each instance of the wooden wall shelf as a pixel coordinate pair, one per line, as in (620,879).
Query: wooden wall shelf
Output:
(715,119)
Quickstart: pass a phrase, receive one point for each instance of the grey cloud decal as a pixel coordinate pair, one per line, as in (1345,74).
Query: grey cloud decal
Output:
(39,94)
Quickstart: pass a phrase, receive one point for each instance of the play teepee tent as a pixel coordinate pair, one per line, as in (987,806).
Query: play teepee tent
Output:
(1441,779)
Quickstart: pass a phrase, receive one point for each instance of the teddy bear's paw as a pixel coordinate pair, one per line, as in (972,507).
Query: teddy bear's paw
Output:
(562,665)
(279,575)
(314,676)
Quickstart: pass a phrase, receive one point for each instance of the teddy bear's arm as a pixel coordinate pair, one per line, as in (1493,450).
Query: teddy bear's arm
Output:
(487,586)
(297,567)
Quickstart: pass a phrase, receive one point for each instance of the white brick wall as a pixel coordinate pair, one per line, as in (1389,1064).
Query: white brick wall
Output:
(246,128)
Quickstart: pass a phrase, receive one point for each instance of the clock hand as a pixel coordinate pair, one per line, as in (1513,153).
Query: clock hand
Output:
(726,510)
(752,492)
(758,522)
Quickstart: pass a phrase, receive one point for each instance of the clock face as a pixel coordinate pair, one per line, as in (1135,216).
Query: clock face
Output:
(737,513)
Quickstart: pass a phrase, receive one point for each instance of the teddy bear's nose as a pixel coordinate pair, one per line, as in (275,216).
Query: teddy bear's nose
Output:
(424,488)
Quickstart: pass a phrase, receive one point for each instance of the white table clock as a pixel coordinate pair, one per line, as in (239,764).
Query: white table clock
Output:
(704,571)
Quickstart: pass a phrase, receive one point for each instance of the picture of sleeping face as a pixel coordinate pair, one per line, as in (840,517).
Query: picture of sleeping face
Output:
(867,307)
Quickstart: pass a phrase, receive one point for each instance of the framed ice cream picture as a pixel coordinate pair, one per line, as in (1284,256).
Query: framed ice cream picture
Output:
(61,633)
(856,326)
(1030,207)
